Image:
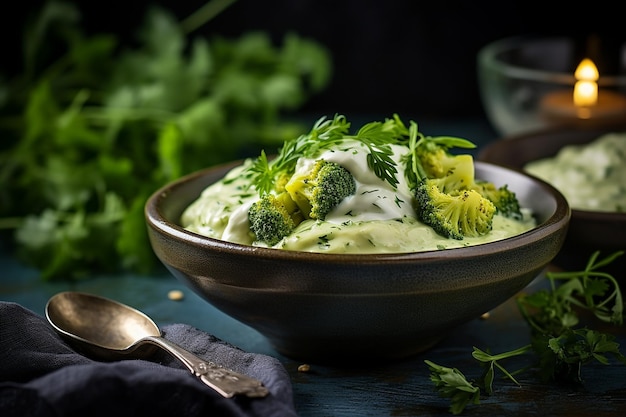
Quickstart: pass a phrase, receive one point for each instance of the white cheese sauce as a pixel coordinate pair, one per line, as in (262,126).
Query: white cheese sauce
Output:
(376,219)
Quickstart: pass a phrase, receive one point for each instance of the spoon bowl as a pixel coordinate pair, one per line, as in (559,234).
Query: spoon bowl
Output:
(109,330)
(102,328)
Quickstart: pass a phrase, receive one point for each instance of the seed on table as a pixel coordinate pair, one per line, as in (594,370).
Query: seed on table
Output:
(175,295)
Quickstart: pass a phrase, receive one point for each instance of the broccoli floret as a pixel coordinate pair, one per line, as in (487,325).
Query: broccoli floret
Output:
(457,173)
(273,217)
(320,190)
(466,213)
(302,196)
(438,162)
(505,200)
(281,181)
(434,160)
(443,185)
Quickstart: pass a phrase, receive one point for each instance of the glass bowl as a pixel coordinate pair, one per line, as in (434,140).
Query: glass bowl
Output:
(527,83)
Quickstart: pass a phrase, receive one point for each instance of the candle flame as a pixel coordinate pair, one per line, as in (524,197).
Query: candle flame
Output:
(586,87)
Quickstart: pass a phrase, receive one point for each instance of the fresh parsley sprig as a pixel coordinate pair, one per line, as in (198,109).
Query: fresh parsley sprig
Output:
(559,348)
(378,137)
(323,134)
(589,289)
(451,383)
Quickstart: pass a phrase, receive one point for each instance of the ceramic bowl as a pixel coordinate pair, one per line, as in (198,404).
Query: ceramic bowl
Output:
(589,231)
(341,308)
(527,83)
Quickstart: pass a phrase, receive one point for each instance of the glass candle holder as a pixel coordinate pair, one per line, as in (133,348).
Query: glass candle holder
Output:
(529,83)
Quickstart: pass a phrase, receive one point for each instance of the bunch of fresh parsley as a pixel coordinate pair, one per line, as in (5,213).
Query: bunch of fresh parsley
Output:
(89,133)
(559,344)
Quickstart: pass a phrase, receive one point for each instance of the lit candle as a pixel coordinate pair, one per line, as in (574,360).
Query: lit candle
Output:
(586,87)
(586,101)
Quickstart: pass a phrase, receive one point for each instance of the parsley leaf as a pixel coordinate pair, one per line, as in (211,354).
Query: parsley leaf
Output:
(560,349)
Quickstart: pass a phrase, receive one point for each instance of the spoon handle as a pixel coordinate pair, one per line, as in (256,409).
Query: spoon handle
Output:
(223,380)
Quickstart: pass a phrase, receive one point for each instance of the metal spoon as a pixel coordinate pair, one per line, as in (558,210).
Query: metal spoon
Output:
(110,330)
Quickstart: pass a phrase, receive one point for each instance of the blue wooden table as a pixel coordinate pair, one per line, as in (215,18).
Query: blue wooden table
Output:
(369,388)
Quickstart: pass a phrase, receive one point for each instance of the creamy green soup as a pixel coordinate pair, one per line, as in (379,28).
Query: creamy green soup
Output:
(590,176)
(382,218)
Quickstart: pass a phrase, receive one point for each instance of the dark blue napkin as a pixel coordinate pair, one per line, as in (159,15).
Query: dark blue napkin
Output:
(40,375)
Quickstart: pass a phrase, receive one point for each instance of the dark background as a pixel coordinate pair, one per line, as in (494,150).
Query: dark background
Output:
(408,56)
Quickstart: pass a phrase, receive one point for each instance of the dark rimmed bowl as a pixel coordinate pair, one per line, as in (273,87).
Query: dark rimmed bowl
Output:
(339,308)
(589,231)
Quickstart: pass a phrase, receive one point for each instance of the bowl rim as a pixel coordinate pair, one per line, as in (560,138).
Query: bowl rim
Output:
(488,53)
(157,221)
